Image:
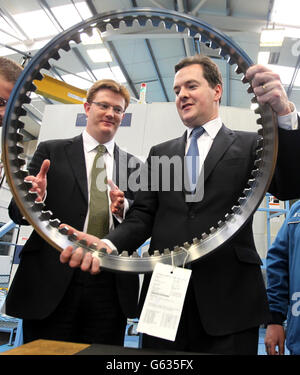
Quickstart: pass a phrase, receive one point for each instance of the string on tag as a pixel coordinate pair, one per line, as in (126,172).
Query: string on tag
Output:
(172,258)
(187,255)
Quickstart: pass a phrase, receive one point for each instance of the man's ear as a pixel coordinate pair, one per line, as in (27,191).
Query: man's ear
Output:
(87,107)
(218,92)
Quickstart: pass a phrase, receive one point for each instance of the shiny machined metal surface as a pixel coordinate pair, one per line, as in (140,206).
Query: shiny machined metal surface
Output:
(48,226)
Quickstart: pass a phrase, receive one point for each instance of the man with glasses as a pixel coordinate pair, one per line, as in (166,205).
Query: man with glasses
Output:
(55,301)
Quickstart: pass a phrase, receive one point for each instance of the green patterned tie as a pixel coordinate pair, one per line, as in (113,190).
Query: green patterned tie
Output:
(98,224)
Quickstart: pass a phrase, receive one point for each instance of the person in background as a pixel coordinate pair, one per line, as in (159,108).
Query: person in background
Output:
(283,281)
(9,73)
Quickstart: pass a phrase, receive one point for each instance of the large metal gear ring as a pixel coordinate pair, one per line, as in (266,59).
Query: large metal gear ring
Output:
(42,220)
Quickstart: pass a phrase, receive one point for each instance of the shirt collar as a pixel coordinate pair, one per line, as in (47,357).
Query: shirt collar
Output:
(211,128)
(90,143)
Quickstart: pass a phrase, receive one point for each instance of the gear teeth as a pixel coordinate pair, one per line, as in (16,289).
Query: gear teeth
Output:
(258,111)
(82,243)
(221,223)
(259,152)
(257,162)
(260,132)
(114,252)
(63,230)
(93,246)
(204,236)
(17,124)
(55,223)
(73,237)
(66,47)
(45,215)
(236,209)
(245,80)
(38,206)
(31,196)
(238,70)
(18,149)
(176,249)
(25,185)
(145,254)
(103,251)
(251,182)
(120,21)
(250,90)
(242,200)
(260,140)
(246,192)
(16,137)
(19,161)
(21,174)
(229,216)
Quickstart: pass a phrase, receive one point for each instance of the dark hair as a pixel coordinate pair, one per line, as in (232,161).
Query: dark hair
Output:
(9,69)
(109,84)
(211,71)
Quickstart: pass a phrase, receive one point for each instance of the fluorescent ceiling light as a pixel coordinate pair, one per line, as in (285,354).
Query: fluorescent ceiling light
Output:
(67,15)
(286,12)
(35,24)
(83,83)
(271,37)
(110,73)
(263,57)
(99,55)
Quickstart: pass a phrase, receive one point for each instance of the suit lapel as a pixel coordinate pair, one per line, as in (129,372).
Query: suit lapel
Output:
(220,145)
(75,156)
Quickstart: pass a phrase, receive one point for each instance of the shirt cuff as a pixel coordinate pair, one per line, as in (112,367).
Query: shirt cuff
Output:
(289,121)
(276,318)
(126,208)
(109,243)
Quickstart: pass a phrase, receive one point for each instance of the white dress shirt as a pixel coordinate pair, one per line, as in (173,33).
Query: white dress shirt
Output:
(90,150)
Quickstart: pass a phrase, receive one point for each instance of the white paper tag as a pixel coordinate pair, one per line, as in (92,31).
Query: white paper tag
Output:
(164,301)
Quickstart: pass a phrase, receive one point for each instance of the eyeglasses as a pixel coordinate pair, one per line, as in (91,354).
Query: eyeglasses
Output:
(3,102)
(106,106)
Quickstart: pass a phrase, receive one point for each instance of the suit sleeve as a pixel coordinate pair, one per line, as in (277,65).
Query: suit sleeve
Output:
(278,274)
(34,167)
(285,184)
(137,226)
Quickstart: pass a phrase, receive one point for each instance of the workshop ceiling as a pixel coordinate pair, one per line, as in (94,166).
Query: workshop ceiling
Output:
(148,55)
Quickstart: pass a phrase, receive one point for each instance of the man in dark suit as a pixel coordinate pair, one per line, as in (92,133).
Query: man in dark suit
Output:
(226,300)
(55,301)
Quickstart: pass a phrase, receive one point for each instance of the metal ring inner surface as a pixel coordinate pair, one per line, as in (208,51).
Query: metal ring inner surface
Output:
(43,221)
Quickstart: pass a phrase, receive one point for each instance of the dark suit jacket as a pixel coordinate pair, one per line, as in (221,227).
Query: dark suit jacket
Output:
(41,280)
(228,283)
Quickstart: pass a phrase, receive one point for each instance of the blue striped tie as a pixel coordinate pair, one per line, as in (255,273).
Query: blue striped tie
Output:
(192,161)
